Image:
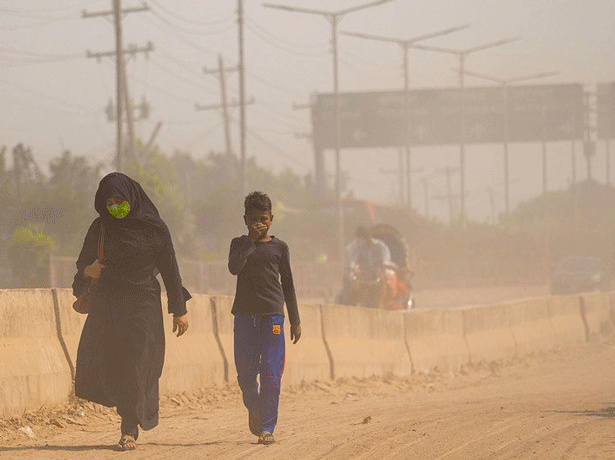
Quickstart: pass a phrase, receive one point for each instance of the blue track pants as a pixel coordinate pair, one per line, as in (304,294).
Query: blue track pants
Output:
(260,350)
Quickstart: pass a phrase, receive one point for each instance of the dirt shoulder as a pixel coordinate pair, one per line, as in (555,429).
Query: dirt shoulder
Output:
(558,405)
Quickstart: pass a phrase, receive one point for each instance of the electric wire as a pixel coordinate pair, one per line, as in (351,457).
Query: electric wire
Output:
(189,20)
(190,31)
(282,41)
(275,86)
(199,86)
(274,148)
(60,102)
(179,36)
(279,46)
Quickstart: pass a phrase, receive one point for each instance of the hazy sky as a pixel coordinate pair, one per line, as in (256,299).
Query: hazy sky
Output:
(53,97)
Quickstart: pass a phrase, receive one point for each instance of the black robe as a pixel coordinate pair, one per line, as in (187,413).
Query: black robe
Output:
(121,351)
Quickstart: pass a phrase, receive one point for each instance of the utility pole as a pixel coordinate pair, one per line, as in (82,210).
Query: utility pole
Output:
(462,54)
(426,195)
(334,17)
(505,82)
(405,45)
(448,172)
(120,72)
(242,105)
(492,203)
(400,174)
(225,107)
(223,98)
(589,131)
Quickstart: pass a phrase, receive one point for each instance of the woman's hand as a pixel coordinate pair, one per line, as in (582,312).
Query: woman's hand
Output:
(93,271)
(180,324)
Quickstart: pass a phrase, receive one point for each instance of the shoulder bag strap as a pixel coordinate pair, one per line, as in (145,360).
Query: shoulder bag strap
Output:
(101,239)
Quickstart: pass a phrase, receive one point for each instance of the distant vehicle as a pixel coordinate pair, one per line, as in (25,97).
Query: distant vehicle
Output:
(393,286)
(580,274)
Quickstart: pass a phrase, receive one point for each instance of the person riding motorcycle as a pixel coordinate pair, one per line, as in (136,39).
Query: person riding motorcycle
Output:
(366,262)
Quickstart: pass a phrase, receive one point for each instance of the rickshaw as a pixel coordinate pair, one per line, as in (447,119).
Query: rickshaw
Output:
(392,290)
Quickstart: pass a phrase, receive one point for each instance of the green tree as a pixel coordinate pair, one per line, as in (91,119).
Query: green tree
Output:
(29,256)
(64,206)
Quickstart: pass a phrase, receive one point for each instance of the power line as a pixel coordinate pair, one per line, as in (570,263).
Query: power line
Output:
(280,46)
(52,10)
(274,148)
(285,42)
(275,86)
(180,77)
(190,31)
(25,14)
(190,20)
(61,102)
(180,37)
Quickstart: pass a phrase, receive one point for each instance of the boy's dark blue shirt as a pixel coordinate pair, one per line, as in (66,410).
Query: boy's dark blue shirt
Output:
(264,278)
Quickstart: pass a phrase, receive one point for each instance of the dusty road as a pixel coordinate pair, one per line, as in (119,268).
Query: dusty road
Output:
(555,406)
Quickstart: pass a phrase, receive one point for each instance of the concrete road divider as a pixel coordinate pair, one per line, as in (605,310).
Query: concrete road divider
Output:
(34,371)
(595,308)
(70,323)
(308,359)
(193,361)
(365,342)
(530,325)
(435,340)
(488,333)
(566,321)
(224,327)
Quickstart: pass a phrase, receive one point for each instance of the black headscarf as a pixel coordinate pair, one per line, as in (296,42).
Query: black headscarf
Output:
(143,216)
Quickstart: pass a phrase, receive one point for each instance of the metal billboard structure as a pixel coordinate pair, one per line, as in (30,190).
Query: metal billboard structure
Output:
(536,113)
(605,98)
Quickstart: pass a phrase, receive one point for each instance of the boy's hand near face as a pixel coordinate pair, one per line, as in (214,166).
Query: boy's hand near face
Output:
(256,230)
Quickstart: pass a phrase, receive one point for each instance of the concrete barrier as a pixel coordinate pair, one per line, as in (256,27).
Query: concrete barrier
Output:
(224,328)
(566,321)
(530,325)
(435,340)
(488,333)
(71,323)
(308,359)
(365,342)
(34,370)
(595,308)
(193,361)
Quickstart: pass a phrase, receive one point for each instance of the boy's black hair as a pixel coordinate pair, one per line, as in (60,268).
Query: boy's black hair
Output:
(258,201)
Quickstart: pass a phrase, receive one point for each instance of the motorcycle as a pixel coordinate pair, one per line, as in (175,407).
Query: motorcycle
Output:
(390,289)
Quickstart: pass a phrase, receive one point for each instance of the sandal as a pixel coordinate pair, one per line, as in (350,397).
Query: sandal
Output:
(254,423)
(125,444)
(266,438)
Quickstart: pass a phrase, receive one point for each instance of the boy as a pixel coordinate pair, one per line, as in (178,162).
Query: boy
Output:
(264,283)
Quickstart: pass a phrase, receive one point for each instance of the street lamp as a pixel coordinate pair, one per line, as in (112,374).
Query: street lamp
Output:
(505,82)
(462,54)
(334,17)
(405,44)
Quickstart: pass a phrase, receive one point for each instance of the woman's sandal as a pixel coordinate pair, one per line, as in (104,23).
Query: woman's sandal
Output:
(126,444)
(266,438)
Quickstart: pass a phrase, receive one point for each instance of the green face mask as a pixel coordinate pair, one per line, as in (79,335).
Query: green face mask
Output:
(120,210)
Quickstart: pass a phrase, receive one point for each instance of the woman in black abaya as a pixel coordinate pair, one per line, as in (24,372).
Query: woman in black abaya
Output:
(121,351)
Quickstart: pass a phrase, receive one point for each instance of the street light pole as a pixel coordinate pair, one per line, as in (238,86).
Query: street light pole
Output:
(505,82)
(462,54)
(405,45)
(333,17)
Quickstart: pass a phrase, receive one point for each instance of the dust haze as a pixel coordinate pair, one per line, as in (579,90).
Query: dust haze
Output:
(58,91)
